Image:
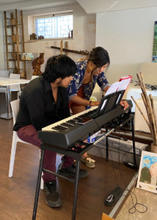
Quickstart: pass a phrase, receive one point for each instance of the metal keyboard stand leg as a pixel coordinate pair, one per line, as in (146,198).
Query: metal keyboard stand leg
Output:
(106,146)
(76,190)
(133,141)
(74,155)
(38,185)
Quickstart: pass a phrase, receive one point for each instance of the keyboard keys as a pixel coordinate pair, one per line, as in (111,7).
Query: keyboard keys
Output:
(59,128)
(67,124)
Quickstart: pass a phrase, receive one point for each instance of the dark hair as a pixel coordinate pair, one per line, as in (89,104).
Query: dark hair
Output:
(99,56)
(59,66)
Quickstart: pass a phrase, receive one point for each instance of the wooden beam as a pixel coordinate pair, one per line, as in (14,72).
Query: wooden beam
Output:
(82,52)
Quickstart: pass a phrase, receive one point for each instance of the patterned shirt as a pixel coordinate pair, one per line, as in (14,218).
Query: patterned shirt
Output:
(88,88)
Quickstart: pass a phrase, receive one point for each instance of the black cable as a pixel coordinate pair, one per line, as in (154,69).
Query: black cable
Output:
(137,206)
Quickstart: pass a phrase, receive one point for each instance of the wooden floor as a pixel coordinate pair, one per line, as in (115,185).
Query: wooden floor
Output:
(17,193)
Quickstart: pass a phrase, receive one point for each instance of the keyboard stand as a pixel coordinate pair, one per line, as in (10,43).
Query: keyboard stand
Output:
(76,155)
(131,119)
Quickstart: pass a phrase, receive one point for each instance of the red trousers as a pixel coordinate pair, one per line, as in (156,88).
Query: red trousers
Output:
(29,134)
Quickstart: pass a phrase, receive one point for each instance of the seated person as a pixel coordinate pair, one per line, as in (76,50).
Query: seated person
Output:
(89,72)
(44,101)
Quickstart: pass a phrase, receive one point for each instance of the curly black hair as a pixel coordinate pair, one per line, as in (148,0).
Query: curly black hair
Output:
(59,66)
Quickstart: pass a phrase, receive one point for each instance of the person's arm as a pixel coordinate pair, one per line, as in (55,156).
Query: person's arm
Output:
(80,101)
(105,89)
(36,110)
(73,89)
(103,82)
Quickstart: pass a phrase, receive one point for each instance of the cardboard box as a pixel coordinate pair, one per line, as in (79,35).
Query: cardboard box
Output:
(120,150)
(106,217)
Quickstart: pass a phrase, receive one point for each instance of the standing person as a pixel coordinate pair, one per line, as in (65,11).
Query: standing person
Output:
(44,101)
(89,72)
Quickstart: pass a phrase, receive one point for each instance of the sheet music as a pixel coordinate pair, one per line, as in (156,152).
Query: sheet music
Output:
(115,87)
(118,86)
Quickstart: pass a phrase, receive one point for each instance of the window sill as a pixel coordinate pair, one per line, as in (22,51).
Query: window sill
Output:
(48,39)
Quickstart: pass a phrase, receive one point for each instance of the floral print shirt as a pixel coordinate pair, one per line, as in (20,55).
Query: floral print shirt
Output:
(88,88)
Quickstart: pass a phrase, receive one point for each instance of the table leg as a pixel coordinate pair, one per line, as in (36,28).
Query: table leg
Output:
(8,100)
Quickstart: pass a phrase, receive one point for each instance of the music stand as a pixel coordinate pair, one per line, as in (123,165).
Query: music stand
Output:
(109,102)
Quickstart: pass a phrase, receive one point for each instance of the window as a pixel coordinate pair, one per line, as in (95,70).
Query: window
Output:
(58,26)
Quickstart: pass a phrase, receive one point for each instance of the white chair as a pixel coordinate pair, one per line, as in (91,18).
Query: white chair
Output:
(34,77)
(15,139)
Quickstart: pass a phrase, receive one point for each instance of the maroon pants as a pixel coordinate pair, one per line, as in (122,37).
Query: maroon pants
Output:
(29,134)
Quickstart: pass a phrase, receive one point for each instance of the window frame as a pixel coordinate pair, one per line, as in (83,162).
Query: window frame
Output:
(58,14)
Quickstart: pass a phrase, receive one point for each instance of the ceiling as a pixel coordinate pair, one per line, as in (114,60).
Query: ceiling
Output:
(93,6)
(31,4)
(90,6)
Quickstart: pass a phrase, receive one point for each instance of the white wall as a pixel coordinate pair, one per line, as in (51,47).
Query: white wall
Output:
(128,37)
(2,49)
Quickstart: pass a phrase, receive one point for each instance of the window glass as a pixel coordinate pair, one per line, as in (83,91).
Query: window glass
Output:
(54,26)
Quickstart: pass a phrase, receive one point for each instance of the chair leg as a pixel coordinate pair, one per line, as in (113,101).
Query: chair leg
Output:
(12,155)
(18,94)
(42,181)
(42,184)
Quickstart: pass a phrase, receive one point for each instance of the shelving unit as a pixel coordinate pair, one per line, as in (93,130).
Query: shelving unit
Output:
(14,37)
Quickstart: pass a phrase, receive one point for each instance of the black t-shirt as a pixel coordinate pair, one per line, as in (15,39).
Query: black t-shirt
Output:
(37,105)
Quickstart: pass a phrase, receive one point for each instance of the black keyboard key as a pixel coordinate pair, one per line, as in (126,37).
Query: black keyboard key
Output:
(67,124)
(59,128)
(73,121)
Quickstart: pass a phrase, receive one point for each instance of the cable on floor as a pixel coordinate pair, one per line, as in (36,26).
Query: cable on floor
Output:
(137,206)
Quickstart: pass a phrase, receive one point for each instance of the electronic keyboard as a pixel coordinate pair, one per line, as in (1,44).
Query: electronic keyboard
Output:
(78,127)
